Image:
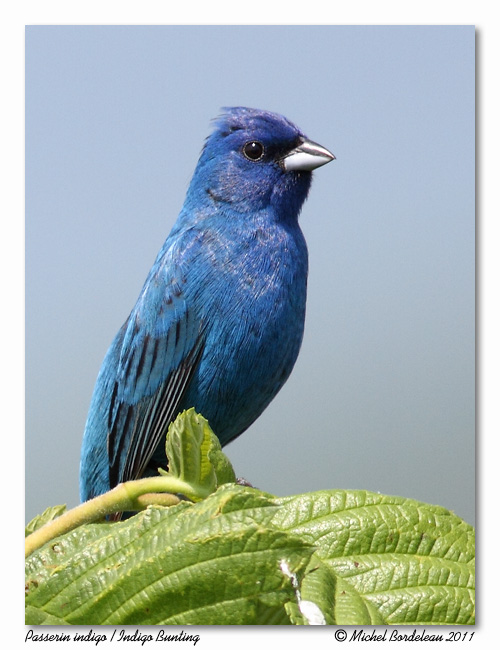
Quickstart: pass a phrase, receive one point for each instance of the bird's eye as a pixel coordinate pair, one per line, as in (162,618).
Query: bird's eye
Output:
(253,150)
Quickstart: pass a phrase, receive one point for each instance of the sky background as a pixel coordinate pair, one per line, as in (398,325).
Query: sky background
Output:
(382,395)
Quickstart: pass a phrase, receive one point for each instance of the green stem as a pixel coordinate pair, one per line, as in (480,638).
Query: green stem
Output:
(133,495)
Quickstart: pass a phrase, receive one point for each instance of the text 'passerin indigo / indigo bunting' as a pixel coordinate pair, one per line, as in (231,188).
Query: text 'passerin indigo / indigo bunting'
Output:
(219,321)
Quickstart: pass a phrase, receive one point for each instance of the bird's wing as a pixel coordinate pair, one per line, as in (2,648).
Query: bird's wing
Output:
(161,346)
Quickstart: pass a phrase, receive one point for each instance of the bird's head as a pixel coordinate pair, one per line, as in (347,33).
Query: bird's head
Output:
(254,160)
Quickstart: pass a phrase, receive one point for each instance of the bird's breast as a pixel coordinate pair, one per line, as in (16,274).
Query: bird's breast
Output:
(255,298)
(249,291)
(256,272)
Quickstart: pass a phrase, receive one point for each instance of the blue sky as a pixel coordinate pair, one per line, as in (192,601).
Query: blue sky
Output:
(382,396)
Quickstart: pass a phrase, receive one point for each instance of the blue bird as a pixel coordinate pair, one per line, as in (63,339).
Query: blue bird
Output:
(219,322)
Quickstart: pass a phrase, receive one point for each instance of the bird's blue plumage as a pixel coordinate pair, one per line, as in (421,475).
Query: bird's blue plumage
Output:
(219,321)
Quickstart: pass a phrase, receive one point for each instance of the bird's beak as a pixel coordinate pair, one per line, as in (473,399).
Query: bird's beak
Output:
(306,157)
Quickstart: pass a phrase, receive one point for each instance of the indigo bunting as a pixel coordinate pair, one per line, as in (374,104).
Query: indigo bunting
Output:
(219,321)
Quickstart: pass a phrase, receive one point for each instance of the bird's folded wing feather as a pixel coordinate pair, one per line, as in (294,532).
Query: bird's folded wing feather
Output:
(161,346)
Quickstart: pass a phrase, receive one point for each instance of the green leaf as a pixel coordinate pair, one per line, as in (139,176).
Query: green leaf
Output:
(195,455)
(236,556)
(49,514)
(197,467)
(218,561)
(395,561)
(315,596)
(38,617)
